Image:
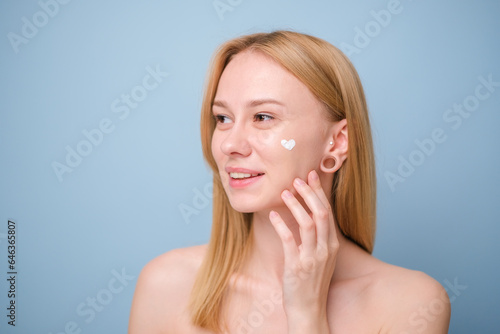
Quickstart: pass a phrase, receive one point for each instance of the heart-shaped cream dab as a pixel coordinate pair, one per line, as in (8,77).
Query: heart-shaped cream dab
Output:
(288,144)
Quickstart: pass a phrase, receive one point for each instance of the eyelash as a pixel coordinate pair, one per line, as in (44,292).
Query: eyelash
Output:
(221,118)
(269,117)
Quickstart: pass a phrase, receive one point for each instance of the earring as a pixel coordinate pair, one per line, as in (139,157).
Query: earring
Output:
(331,143)
(327,164)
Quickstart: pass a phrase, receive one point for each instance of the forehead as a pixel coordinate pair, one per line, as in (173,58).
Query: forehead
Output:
(251,75)
(250,67)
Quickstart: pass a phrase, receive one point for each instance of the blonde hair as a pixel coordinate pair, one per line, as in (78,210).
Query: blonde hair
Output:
(331,77)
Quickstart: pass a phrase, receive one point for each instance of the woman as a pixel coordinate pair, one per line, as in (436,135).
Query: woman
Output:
(285,129)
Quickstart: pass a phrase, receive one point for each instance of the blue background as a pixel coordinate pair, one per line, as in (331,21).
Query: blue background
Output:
(121,206)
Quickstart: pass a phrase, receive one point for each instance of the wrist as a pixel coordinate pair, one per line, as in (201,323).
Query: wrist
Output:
(300,324)
(315,328)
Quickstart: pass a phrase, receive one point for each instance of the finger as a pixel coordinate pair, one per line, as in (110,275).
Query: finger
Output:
(307,227)
(315,184)
(290,249)
(322,216)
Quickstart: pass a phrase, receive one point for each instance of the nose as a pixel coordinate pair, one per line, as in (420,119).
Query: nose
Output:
(236,142)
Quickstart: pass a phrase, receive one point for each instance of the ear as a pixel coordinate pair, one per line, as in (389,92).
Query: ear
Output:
(335,153)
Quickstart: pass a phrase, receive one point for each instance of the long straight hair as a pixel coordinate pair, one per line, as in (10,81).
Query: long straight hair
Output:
(331,77)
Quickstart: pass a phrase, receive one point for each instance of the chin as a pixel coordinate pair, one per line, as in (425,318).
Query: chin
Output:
(246,205)
(243,206)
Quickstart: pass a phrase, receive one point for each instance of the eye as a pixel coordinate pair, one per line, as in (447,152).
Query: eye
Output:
(263,117)
(221,119)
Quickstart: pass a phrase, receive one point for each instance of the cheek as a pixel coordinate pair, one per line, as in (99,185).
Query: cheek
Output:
(271,139)
(293,153)
(216,151)
(269,146)
(288,144)
(266,138)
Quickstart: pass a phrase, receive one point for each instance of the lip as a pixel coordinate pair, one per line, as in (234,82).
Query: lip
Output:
(242,183)
(241,170)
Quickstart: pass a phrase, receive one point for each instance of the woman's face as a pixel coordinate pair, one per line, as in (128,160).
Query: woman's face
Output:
(257,105)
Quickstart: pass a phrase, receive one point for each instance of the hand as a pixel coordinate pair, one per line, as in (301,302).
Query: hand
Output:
(308,267)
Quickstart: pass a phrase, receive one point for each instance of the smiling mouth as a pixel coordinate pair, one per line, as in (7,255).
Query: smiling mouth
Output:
(240,176)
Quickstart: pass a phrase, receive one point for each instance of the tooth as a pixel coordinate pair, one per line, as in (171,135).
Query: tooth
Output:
(241,175)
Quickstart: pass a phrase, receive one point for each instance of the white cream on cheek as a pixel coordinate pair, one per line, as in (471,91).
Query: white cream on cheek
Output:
(288,144)
(268,139)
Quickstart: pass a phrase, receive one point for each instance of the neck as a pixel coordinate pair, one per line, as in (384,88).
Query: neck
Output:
(265,260)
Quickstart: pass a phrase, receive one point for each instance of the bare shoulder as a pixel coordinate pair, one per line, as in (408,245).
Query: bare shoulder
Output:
(180,259)
(172,269)
(414,301)
(163,289)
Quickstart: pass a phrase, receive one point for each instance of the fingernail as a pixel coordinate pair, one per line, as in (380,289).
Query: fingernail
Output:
(273,214)
(299,182)
(314,175)
(287,194)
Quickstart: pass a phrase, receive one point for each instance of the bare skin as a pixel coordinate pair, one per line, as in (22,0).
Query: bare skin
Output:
(369,297)
(302,275)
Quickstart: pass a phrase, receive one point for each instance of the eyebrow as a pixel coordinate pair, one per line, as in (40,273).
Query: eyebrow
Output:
(253,103)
